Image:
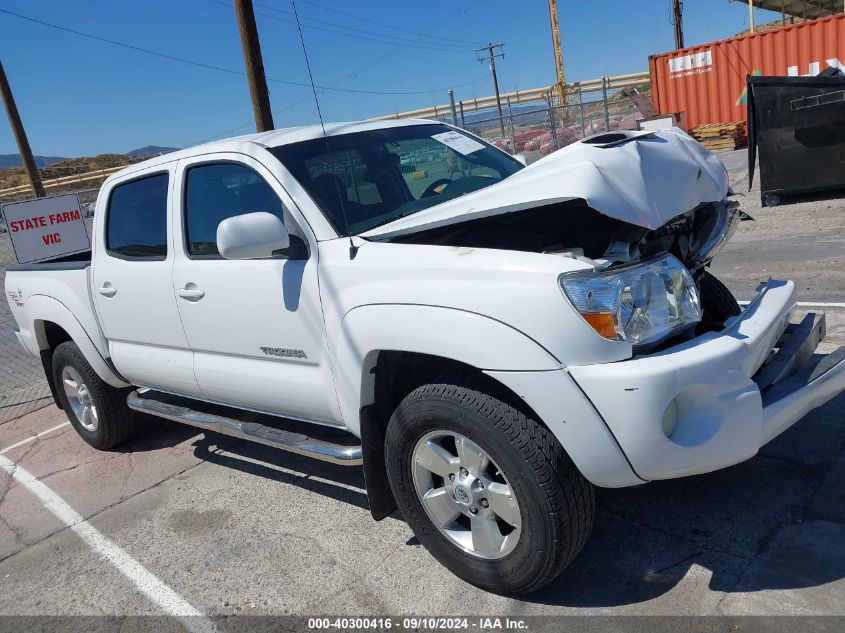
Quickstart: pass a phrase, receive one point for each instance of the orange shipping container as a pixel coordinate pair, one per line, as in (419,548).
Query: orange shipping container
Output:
(708,81)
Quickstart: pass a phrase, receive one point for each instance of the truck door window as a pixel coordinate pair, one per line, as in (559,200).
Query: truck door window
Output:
(214,192)
(136,219)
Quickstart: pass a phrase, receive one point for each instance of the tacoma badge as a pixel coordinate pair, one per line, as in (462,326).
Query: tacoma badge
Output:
(283,352)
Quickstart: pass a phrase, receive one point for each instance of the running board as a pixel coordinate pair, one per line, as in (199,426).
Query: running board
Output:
(252,431)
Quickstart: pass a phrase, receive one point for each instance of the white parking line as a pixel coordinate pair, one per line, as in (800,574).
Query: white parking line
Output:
(145,581)
(34,437)
(808,304)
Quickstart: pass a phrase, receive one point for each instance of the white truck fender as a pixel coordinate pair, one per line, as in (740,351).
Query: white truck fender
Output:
(470,338)
(41,308)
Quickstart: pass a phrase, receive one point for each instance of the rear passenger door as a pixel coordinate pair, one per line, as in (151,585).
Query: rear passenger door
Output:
(255,326)
(132,283)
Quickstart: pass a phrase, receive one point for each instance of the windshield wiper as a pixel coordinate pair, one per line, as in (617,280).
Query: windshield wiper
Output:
(398,217)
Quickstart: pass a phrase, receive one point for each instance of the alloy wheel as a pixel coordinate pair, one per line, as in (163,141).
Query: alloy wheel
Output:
(465,494)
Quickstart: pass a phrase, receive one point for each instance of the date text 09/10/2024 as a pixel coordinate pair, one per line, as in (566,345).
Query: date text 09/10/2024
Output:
(418,623)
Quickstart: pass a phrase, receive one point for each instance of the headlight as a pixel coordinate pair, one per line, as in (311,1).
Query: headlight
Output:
(642,304)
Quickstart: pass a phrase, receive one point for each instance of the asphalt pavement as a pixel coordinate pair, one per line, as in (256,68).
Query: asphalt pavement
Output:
(195,525)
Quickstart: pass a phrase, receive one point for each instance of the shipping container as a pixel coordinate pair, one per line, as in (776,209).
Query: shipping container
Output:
(707,82)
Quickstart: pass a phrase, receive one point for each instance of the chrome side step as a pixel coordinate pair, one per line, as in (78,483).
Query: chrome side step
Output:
(252,431)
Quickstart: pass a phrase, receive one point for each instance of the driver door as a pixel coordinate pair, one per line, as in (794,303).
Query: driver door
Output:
(255,326)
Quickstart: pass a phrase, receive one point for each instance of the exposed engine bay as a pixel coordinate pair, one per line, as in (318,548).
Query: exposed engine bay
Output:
(574,229)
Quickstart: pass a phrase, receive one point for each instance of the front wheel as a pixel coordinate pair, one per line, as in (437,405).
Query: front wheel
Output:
(96,410)
(717,304)
(486,489)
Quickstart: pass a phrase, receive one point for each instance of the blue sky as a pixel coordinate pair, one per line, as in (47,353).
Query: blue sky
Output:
(78,96)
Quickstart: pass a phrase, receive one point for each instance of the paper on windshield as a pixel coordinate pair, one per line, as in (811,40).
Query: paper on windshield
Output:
(460,143)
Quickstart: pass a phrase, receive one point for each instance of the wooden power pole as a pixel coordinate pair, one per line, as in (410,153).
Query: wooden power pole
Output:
(678,22)
(27,159)
(558,51)
(254,66)
(490,57)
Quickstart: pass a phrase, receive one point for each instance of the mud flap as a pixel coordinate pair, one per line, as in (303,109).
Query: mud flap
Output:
(379,494)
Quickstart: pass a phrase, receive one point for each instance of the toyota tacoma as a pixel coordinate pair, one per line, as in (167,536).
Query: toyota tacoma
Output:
(488,340)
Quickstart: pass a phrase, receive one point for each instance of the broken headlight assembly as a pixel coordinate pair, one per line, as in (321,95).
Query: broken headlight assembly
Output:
(642,304)
(720,227)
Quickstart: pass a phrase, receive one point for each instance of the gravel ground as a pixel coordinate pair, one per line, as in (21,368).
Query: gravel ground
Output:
(802,239)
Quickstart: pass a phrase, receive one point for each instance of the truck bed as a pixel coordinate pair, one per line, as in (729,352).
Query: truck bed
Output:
(36,290)
(76,261)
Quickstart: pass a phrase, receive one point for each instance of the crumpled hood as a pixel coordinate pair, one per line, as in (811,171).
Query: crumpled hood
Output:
(644,178)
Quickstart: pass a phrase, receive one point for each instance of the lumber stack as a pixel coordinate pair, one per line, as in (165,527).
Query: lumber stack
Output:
(720,136)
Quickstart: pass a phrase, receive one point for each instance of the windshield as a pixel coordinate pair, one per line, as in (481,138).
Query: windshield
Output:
(367,179)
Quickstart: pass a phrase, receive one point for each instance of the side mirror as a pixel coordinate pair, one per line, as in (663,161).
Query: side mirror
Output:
(522,158)
(251,236)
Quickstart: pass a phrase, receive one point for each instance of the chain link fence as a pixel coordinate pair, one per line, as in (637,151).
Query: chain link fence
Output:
(23,386)
(538,130)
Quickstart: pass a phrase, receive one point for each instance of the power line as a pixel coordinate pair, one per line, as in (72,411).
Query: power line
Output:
(370,35)
(354,73)
(389,26)
(444,45)
(211,66)
(122,44)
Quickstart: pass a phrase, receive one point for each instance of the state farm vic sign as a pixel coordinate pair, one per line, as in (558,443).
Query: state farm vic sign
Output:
(46,228)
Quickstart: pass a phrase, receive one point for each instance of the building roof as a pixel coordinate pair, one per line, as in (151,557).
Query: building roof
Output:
(810,9)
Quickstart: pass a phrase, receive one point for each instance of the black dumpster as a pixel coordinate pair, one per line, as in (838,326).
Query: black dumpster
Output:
(797,126)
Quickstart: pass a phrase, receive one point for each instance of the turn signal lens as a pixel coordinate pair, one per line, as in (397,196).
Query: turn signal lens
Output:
(602,322)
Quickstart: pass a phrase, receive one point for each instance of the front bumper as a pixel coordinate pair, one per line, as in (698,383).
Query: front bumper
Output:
(715,400)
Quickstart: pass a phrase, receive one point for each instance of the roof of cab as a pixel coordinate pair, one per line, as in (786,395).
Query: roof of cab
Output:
(275,138)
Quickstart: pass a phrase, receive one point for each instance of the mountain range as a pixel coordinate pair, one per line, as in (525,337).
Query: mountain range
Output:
(14,160)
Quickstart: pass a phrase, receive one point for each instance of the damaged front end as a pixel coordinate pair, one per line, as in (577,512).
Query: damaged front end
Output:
(622,297)
(574,229)
(646,211)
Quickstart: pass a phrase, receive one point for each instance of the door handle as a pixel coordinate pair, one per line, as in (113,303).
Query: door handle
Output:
(191,294)
(107,291)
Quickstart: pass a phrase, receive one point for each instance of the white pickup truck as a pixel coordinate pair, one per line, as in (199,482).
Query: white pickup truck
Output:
(490,340)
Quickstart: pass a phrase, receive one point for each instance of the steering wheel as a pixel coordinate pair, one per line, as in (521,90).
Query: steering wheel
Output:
(430,190)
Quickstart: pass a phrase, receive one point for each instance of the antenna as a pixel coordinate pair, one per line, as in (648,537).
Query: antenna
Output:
(353,250)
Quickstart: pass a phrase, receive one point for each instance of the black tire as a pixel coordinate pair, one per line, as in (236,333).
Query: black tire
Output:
(115,420)
(556,503)
(717,303)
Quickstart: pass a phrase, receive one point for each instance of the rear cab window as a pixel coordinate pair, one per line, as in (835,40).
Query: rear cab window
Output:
(136,219)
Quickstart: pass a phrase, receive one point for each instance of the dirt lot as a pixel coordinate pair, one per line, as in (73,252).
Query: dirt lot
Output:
(180,522)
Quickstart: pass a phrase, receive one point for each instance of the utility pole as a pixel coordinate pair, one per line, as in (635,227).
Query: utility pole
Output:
(751,15)
(27,159)
(678,22)
(452,108)
(254,66)
(491,58)
(558,51)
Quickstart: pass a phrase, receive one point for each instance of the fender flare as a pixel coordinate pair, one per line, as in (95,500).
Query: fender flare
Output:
(41,308)
(459,335)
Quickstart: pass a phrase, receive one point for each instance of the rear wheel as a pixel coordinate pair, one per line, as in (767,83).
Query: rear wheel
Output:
(96,410)
(486,489)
